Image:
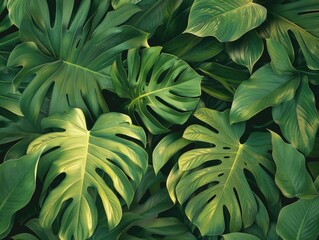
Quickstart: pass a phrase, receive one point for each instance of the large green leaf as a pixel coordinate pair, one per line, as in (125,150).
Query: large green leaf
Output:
(17,9)
(82,155)
(216,175)
(300,220)
(227,20)
(162,89)
(298,118)
(265,88)
(247,50)
(69,57)
(291,176)
(17,186)
(299,18)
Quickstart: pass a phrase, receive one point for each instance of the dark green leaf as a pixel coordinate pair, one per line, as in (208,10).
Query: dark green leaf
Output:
(300,220)
(67,67)
(299,18)
(163,90)
(247,50)
(17,179)
(298,119)
(291,176)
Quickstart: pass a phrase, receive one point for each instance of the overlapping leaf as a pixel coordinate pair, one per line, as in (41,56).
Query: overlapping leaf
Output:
(300,18)
(162,89)
(215,176)
(17,179)
(227,20)
(83,155)
(69,55)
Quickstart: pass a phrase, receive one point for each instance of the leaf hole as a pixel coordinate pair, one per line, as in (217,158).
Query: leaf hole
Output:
(226,157)
(162,76)
(169,105)
(308,12)
(226,148)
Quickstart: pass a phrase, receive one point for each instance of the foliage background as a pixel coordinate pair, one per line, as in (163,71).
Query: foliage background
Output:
(159,119)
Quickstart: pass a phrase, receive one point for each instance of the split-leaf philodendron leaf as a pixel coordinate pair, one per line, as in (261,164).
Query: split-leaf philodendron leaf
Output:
(159,119)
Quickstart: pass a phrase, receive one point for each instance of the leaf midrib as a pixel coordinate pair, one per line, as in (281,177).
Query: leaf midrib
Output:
(302,223)
(235,9)
(83,68)
(147,94)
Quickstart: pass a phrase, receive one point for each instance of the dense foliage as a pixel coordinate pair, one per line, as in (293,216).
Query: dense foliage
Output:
(159,119)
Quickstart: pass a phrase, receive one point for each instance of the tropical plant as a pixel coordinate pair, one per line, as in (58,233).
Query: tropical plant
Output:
(159,119)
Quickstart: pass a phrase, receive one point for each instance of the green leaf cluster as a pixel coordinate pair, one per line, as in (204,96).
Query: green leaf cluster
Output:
(159,119)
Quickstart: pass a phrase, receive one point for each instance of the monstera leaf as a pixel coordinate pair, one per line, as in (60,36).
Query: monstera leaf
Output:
(227,20)
(216,176)
(85,158)
(299,18)
(69,55)
(162,89)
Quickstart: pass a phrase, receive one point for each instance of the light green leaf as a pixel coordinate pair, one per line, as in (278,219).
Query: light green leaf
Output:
(300,18)
(280,61)
(265,88)
(215,177)
(119,3)
(162,89)
(247,50)
(17,186)
(298,119)
(109,146)
(154,13)
(239,236)
(227,20)
(291,176)
(17,9)
(69,61)
(300,220)
(166,149)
